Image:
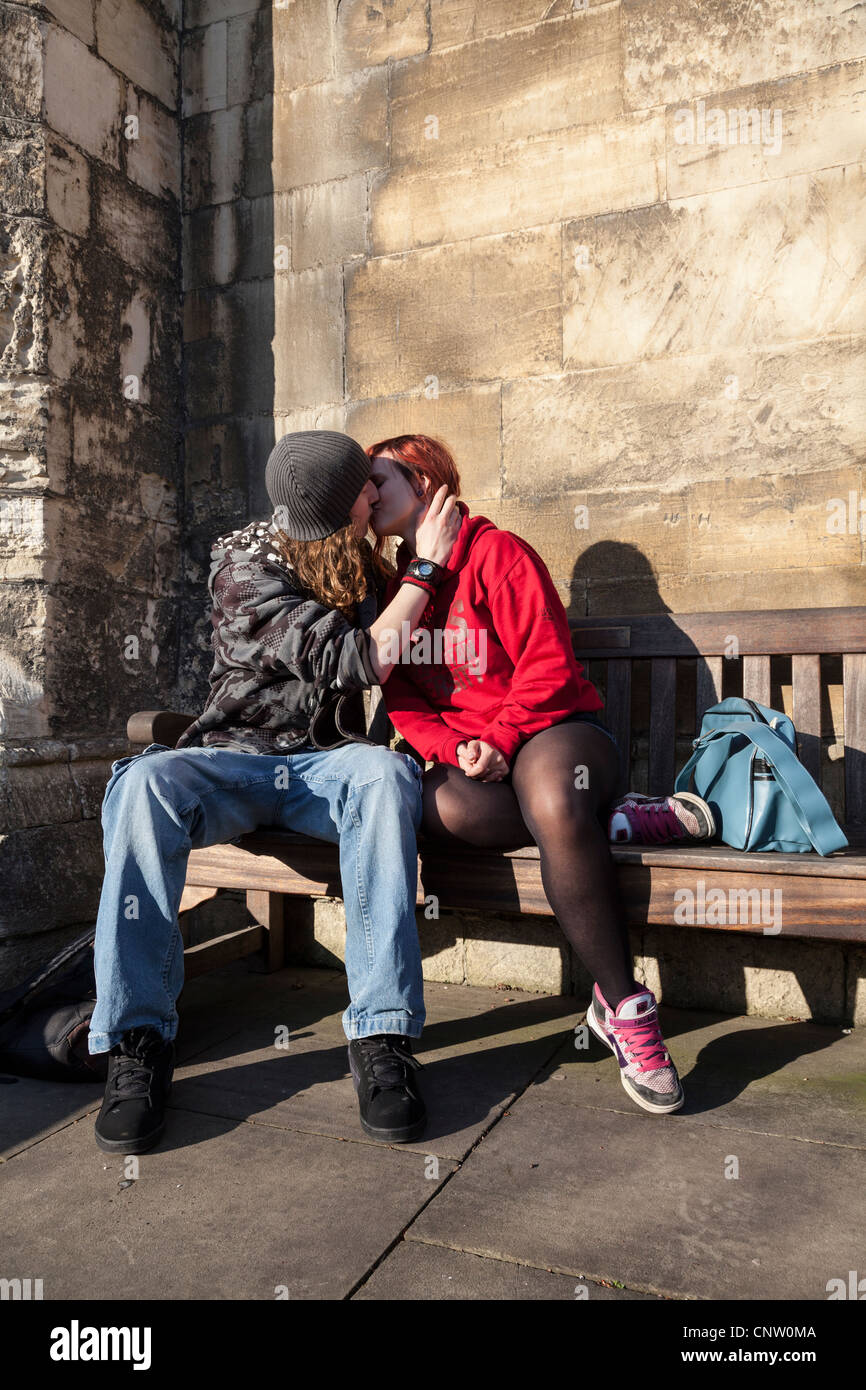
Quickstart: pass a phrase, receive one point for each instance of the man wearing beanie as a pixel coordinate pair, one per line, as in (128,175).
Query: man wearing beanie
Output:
(282,741)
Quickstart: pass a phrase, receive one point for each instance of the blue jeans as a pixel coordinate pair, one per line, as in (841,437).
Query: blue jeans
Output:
(161,803)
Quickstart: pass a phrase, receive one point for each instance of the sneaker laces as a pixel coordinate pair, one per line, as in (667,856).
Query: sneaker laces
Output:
(133,1072)
(642,1037)
(656,820)
(387,1063)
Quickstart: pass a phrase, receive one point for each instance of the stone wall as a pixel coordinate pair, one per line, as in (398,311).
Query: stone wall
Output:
(90,483)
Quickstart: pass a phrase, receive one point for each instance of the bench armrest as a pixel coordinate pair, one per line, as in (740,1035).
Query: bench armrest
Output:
(157,726)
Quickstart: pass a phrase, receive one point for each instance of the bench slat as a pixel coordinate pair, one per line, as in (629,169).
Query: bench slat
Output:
(776,632)
(756,679)
(617,715)
(854,714)
(806,711)
(709,686)
(663,690)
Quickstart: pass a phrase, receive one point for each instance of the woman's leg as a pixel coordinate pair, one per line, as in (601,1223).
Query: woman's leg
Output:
(464,811)
(567,824)
(540,804)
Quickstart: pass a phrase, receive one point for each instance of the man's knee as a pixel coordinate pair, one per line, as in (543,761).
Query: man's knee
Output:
(381,771)
(156,774)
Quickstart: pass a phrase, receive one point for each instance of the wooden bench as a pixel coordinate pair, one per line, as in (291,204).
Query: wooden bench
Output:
(657,673)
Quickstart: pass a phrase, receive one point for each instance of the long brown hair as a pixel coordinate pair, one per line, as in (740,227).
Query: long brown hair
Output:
(338,570)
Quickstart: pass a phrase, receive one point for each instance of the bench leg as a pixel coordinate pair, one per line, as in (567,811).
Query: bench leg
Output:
(269,910)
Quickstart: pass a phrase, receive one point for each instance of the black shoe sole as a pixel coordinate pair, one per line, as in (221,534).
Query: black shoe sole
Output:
(141,1145)
(130,1146)
(396,1136)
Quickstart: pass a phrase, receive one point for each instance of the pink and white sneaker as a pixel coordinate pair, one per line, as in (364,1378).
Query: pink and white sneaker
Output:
(633,1035)
(654,820)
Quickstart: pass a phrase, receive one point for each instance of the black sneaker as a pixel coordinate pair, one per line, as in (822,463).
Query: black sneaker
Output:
(140,1069)
(382,1069)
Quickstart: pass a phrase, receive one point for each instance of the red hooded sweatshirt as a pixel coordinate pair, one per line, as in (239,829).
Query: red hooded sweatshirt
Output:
(497,661)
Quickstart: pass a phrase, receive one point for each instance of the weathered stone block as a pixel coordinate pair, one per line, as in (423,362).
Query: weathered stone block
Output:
(49,877)
(74,15)
(329,222)
(153,158)
(216,454)
(455,21)
(236,241)
(141,45)
(67,186)
(24,411)
(798,409)
(138,230)
(463,312)
(250,57)
(23,60)
(83,96)
(769,131)
(329,130)
(205,70)
(673,49)
(22,168)
(447,105)
(308,338)
(768,263)
(199,12)
(744,973)
(521,184)
(467,422)
(27,249)
(511,951)
(25,706)
(777,521)
(123,463)
(303,44)
(38,794)
(367,35)
(213,157)
(839,587)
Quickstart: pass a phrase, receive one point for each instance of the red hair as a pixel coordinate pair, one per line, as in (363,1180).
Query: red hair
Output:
(415,454)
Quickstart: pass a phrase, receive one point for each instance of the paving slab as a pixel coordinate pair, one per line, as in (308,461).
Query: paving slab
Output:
(803,1080)
(414,1271)
(477,1051)
(220,1211)
(644,1200)
(30,1110)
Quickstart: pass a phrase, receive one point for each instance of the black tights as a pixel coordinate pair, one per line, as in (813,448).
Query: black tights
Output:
(539,803)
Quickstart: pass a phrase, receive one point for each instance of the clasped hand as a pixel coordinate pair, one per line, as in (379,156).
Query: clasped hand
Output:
(481,760)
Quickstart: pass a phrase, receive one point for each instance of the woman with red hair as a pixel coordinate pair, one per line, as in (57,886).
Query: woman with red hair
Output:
(490,692)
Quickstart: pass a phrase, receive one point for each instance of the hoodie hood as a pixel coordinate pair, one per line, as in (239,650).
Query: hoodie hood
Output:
(471,529)
(245,540)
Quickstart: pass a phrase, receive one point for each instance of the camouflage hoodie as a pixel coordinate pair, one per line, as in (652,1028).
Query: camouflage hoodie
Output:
(288,672)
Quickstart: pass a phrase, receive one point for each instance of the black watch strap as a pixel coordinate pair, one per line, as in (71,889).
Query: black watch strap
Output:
(426,570)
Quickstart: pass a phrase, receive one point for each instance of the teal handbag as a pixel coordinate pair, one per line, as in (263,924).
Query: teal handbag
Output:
(745,766)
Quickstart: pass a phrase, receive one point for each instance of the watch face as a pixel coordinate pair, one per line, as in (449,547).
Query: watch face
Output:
(425,568)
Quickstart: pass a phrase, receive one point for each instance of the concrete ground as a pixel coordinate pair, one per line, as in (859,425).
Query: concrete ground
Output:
(538,1178)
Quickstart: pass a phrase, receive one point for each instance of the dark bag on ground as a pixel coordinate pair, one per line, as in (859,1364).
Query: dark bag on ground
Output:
(45,1020)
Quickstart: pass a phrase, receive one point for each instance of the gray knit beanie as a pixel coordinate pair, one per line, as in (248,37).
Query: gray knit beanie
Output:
(313,478)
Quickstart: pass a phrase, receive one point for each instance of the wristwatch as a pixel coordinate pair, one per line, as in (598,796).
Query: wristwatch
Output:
(425,573)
